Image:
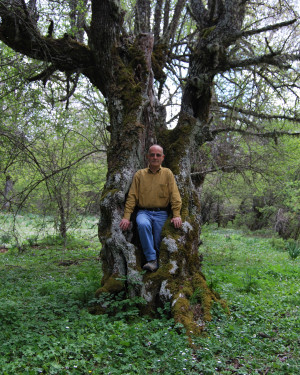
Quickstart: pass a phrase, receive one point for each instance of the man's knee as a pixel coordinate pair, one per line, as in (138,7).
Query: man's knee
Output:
(142,219)
(144,224)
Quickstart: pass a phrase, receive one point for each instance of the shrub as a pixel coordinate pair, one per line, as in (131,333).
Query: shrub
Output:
(293,249)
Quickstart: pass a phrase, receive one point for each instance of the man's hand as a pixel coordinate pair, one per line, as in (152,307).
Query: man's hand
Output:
(124,224)
(176,222)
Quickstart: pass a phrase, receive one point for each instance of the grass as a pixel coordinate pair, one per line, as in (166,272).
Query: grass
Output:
(261,285)
(46,328)
(29,228)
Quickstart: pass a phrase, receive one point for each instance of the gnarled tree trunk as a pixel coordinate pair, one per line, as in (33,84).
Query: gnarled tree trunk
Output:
(137,121)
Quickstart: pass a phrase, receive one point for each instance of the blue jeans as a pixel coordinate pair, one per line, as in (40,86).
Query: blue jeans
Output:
(150,224)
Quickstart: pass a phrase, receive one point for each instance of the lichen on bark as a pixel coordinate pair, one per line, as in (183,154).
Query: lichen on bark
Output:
(134,120)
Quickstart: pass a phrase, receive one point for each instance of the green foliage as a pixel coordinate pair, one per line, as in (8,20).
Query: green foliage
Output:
(119,306)
(265,196)
(293,249)
(5,238)
(196,297)
(46,328)
(250,284)
(260,284)
(32,241)
(291,246)
(57,240)
(55,156)
(278,243)
(29,230)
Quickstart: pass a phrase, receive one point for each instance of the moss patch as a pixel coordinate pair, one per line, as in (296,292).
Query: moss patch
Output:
(112,285)
(206,32)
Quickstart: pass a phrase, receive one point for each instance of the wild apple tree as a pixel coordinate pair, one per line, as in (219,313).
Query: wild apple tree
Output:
(220,59)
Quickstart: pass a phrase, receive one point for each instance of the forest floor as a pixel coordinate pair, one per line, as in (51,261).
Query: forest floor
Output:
(46,288)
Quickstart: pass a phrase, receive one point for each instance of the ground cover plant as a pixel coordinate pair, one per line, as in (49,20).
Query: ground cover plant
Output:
(46,328)
(260,281)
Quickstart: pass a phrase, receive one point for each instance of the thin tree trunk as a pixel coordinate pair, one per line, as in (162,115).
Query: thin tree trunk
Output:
(9,184)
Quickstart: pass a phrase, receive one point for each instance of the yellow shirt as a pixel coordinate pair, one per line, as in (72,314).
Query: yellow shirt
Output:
(149,190)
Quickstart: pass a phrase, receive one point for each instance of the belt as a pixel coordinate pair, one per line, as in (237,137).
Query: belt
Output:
(154,208)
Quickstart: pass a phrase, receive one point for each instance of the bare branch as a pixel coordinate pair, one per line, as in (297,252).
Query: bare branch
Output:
(46,177)
(157,19)
(276,59)
(142,16)
(166,15)
(71,91)
(176,17)
(276,26)
(65,53)
(20,143)
(259,115)
(273,134)
(44,75)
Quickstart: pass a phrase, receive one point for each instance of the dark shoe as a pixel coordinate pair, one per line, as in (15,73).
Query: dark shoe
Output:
(151,266)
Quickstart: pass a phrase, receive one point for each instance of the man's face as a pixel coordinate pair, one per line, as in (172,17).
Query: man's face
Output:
(155,157)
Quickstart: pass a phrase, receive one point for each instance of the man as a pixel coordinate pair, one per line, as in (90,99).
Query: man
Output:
(152,190)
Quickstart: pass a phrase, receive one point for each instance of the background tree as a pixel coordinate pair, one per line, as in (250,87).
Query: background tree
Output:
(230,61)
(255,186)
(43,146)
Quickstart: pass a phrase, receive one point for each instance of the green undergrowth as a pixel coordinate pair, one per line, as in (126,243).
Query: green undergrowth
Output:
(261,283)
(46,328)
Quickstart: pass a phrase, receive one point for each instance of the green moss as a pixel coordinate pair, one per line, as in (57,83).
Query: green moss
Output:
(176,141)
(183,314)
(129,91)
(112,285)
(105,193)
(131,79)
(206,32)
(194,298)
(137,58)
(158,59)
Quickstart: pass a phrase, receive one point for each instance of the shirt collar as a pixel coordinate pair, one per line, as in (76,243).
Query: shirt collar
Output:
(149,170)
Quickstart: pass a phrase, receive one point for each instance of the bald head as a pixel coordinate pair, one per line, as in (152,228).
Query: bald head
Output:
(155,157)
(156,146)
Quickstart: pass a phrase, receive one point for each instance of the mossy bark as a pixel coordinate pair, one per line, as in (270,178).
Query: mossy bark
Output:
(137,121)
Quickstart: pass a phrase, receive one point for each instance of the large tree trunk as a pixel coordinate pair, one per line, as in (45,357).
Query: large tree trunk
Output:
(137,121)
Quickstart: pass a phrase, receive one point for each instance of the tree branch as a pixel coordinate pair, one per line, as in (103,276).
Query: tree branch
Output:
(175,20)
(44,75)
(17,32)
(20,143)
(259,115)
(263,29)
(157,19)
(244,34)
(275,59)
(273,134)
(47,177)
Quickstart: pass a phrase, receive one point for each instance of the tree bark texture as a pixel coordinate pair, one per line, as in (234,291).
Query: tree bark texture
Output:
(136,123)
(8,189)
